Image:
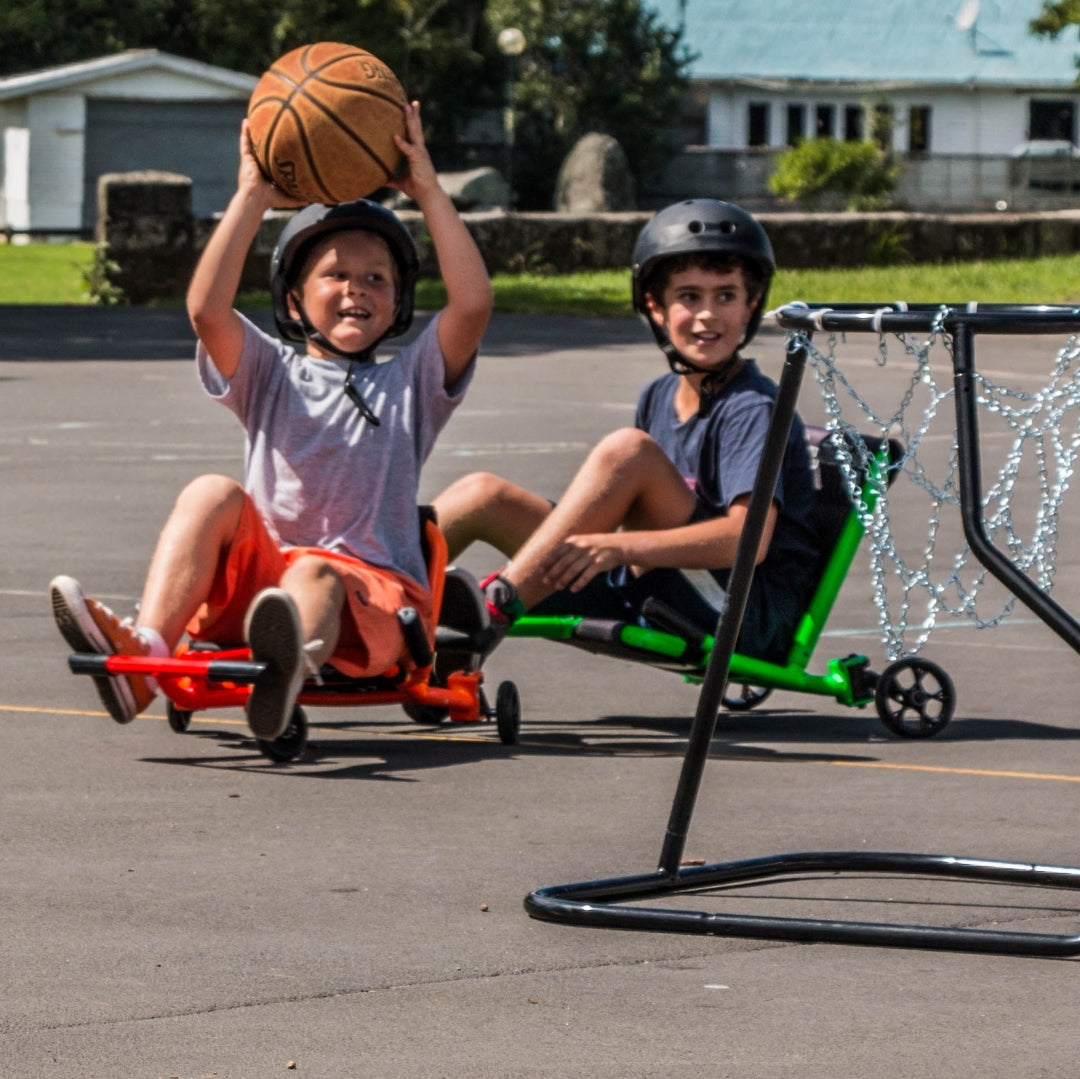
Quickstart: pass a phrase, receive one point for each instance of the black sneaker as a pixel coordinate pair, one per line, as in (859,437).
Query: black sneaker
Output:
(273,633)
(464,610)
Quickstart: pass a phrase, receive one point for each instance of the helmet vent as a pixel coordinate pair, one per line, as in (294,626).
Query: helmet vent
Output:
(695,227)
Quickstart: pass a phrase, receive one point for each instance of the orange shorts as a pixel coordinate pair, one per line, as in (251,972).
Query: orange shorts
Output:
(371,641)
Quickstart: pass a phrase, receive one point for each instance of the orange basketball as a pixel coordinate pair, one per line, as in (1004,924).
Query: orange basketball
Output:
(322,123)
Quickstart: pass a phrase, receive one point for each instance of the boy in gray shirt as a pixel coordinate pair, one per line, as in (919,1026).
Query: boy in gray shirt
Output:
(311,558)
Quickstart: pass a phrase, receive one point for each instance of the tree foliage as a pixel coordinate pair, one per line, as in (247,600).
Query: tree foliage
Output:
(607,66)
(861,174)
(436,47)
(589,65)
(1055,17)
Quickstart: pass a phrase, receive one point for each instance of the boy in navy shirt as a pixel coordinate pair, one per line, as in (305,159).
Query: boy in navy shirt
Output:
(657,509)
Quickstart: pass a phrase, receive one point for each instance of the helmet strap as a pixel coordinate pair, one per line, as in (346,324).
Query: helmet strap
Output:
(715,380)
(364,355)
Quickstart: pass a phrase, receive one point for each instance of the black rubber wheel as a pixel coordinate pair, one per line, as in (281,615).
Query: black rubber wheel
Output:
(290,743)
(746,698)
(508,713)
(426,714)
(915,698)
(179,719)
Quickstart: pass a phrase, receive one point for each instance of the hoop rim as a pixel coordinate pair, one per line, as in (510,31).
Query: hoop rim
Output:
(897,317)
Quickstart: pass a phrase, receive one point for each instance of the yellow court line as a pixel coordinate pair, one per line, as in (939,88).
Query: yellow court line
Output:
(987,773)
(224,721)
(105,715)
(993,773)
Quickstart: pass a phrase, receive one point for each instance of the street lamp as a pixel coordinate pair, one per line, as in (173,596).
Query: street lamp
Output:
(511,43)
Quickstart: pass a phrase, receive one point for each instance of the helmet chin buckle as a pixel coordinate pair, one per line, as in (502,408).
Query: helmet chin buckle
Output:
(352,392)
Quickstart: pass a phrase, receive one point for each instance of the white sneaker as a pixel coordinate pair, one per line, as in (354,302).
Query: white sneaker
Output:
(89,626)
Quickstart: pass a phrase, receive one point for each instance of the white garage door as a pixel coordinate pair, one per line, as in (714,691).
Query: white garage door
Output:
(194,138)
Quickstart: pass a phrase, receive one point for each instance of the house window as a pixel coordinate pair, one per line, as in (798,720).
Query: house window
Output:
(796,124)
(1052,120)
(853,123)
(824,121)
(919,129)
(758,124)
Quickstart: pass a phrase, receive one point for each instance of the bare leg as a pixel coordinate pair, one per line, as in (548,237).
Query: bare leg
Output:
(485,507)
(626,481)
(202,525)
(319,596)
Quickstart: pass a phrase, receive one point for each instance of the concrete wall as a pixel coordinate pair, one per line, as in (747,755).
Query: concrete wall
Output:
(146,225)
(930,183)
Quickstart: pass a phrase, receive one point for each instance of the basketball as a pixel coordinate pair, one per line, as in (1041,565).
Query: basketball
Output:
(322,123)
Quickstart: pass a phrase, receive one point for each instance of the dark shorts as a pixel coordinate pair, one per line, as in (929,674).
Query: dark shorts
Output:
(778,598)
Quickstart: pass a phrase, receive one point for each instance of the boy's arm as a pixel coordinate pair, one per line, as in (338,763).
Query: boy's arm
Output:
(217,275)
(707,544)
(469,297)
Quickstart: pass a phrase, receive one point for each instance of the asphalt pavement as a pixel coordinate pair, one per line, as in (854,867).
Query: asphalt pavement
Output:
(178,906)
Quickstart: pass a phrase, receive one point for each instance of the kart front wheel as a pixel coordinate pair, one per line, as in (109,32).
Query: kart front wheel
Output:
(179,718)
(290,743)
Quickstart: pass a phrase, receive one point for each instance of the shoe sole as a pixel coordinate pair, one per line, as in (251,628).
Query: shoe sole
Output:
(79,629)
(274,637)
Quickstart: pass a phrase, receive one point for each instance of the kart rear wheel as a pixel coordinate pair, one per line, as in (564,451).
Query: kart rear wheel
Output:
(179,718)
(290,743)
(743,698)
(429,715)
(915,698)
(508,713)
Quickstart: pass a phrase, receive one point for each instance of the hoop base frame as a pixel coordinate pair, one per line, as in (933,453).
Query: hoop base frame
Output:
(594,903)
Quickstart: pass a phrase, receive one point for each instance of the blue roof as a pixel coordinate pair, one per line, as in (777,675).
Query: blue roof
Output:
(927,42)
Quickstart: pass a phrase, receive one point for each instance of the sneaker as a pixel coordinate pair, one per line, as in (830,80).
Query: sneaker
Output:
(465,610)
(504,608)
(273,633)
(89,626)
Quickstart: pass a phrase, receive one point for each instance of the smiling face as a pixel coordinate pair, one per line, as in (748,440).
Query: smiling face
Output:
(704,312)
(348,288)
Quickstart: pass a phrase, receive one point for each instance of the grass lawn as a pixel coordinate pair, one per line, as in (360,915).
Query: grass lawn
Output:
(55,274)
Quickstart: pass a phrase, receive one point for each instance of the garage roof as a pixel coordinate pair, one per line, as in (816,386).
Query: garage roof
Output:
(132,61)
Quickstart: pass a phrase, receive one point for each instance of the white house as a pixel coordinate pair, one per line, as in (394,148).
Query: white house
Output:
(63,127)
(957,79)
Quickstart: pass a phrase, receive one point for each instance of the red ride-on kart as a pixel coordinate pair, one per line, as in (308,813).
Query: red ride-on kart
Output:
(447,684)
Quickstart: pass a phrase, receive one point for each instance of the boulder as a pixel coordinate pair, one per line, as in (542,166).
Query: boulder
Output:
(595,178)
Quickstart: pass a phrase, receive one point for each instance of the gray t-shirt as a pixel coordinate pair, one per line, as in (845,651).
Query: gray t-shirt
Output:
(319,473)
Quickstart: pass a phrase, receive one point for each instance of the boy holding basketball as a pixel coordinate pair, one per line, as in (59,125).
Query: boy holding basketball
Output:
(311,558)
(658,509)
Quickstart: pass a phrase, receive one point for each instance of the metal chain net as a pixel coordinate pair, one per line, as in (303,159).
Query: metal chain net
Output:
(915,590)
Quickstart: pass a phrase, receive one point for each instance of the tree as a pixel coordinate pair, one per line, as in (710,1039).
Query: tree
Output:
(589,65)
(41,33)
(434,46)
(1054,17)
(607,66)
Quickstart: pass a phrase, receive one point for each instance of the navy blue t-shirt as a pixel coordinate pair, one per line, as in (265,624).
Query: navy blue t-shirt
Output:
(718,456)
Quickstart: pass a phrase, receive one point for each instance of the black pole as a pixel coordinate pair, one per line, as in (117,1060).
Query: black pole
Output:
(727,632)
(971,501)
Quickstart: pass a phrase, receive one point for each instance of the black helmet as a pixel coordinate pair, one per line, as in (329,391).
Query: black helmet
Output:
(314,221)
(701,226)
